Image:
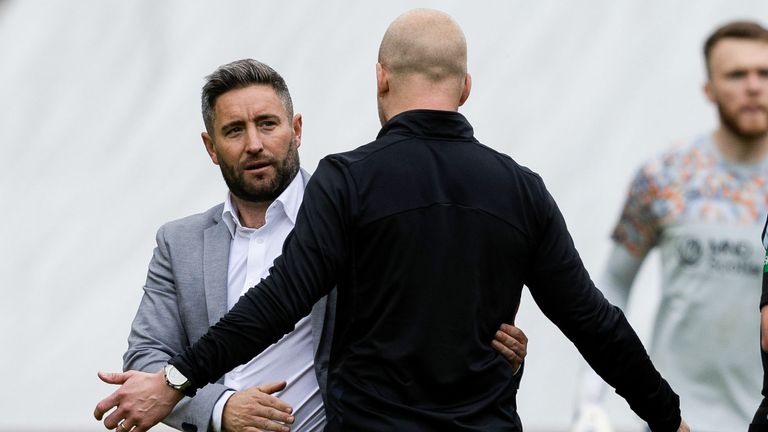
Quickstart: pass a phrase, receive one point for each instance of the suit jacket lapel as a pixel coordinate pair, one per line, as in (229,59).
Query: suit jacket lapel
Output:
(216,241)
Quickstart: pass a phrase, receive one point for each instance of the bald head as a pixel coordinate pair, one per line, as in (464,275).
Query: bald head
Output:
(425,42)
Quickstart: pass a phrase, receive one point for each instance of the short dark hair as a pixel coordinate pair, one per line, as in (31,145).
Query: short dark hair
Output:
(236,75)
(735,29)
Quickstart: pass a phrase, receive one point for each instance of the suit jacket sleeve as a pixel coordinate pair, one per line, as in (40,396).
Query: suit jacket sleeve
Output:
(157,333)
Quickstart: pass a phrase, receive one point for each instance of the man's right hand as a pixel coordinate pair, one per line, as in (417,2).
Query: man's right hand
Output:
(255,409)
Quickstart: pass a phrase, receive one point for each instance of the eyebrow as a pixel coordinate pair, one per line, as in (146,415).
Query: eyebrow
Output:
(231,124)
(257,118)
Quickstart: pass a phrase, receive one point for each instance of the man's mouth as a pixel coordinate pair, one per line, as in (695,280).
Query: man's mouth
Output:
(751,109)
(256,166)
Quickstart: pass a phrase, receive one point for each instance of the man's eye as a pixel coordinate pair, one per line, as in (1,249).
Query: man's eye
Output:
(233,130)
(269,124)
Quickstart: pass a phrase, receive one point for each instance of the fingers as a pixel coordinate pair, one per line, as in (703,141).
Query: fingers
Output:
(273,415)
(113,420)
(253,408)
(514,332)
(105,405)
(114,377)
(141,401)
(264,424)
(263,398)
(512,338)
(111,401)
(511,356)
(123,421)
(508,345)
(124,426)
(511,343)
(272,387)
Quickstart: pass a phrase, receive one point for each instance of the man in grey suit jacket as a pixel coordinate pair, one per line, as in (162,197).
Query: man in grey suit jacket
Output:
(253,135)
(184,295)
(202,263)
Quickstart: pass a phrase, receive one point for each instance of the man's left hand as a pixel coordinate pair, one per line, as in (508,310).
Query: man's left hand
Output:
(142,401)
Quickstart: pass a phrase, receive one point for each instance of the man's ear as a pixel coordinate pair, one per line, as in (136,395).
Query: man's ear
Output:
(709,91)
(466,90)
(382,79)
(209,147)
(297,124)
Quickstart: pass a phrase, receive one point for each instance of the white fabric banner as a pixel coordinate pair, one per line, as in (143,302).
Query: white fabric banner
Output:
(101,144)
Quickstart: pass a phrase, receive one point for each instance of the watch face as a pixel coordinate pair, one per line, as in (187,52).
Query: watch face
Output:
(174,376)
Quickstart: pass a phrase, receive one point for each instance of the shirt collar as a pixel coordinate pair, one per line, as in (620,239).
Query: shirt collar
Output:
(288,203)
(449,125)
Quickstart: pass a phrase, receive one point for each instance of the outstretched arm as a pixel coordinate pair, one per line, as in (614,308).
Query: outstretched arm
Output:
(312,257)
(561,286)
(157,333)
(616,283)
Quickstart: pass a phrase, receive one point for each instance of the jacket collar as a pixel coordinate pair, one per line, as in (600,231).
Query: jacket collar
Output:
(449,125)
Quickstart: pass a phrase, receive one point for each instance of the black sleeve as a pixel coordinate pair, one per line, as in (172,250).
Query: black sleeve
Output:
(306,271)
(764,296)
(562,288)
(763,302)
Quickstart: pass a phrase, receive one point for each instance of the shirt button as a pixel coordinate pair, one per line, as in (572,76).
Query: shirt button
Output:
(259,240)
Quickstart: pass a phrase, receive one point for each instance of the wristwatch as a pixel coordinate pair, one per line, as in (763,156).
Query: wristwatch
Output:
(176,380)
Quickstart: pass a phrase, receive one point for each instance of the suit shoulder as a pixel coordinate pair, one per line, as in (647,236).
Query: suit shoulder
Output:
(194,222)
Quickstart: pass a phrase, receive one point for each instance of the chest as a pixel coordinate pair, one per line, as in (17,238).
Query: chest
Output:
(709,195)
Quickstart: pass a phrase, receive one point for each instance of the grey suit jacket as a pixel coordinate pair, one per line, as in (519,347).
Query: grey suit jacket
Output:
(185,293)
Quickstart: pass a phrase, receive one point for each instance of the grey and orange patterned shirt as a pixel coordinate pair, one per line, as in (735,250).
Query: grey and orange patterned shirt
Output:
(705,215)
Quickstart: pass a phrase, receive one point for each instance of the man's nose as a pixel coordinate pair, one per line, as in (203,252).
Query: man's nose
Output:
(254,143)
(756,82)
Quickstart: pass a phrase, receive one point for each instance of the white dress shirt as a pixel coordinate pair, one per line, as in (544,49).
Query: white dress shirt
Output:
(291,359)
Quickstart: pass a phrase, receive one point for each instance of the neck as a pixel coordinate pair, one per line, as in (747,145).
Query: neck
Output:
(738,148)
(251,214)
(418,93)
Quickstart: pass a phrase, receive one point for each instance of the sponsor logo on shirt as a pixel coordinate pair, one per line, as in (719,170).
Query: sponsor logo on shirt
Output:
(689,250)
(722,255)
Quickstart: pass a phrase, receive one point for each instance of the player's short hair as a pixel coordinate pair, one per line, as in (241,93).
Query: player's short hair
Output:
(736,29)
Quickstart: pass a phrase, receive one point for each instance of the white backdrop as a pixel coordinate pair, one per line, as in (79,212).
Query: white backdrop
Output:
(100,136)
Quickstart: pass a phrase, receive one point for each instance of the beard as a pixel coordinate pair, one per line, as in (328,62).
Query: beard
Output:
(732,122)
(264,189)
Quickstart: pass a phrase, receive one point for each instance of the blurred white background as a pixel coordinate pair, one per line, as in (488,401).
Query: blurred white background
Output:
(100,136)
